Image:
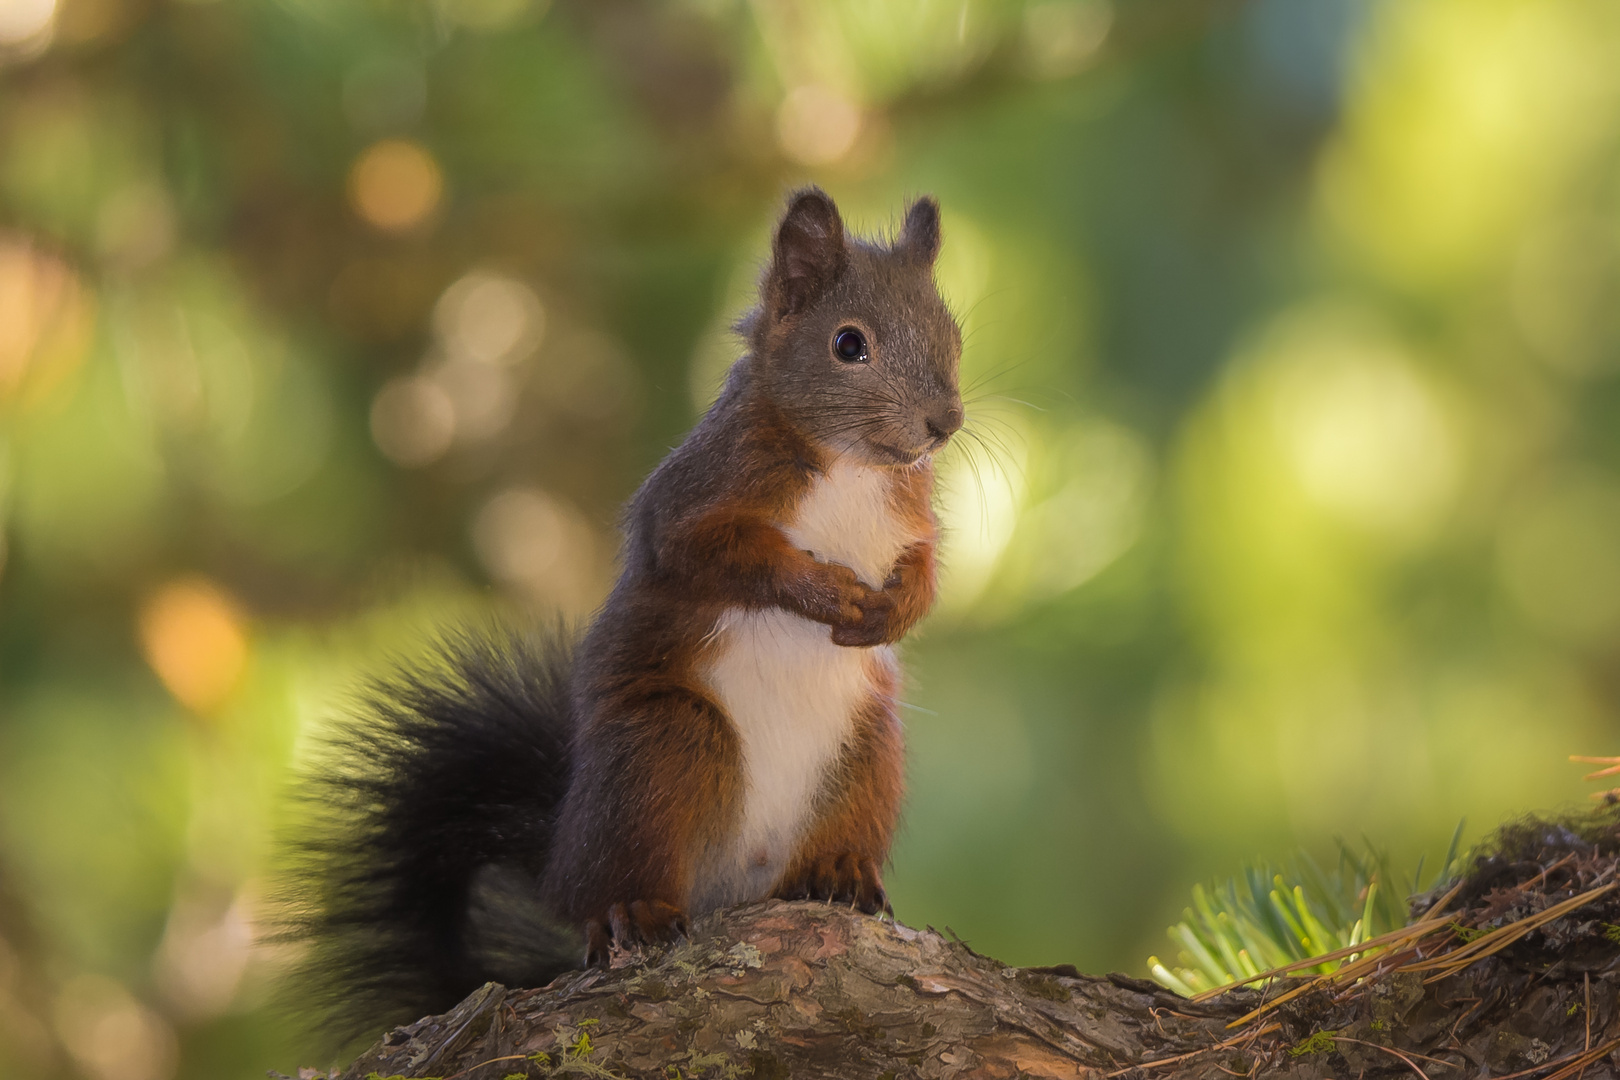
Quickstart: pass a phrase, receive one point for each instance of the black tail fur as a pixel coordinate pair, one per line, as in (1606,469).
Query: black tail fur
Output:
(432,821)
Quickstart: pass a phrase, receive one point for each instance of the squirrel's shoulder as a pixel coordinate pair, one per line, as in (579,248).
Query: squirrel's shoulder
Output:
(742,452)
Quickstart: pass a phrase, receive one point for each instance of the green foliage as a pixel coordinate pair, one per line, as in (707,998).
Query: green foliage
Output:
(1277,916)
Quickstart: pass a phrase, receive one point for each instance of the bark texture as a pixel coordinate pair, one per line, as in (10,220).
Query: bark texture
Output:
(1513,974)
(806,990)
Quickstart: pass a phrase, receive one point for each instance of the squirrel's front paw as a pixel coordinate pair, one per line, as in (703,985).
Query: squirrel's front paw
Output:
(639,922)
(857,613)
(845,878)
(831,593)
(872,627)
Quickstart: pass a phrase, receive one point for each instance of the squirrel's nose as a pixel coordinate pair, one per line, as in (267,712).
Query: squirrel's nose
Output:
(943,425)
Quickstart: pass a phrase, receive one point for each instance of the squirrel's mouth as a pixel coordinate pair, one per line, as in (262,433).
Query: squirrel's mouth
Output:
(898,456)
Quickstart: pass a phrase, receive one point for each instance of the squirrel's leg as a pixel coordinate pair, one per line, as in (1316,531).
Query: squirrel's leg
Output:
(840,858)
(657,776)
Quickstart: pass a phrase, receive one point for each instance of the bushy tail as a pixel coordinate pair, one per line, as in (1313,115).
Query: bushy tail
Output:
(431,823)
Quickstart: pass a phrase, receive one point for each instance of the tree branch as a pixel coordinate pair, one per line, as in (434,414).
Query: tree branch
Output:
(809,991)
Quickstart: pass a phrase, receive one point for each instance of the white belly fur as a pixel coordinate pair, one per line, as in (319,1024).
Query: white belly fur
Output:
(848,517)
(790,693)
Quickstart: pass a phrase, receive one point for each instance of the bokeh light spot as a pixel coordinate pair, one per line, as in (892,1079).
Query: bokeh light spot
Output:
(204,953)
(489,318)
(817,125)
(413,421)
(1063,37)
(111,1035)
(1097,514)
(1462,121)
(22,20)
(1366,435)
(483,396)
(46,316)
(533,542)
(395,185)
(193,635)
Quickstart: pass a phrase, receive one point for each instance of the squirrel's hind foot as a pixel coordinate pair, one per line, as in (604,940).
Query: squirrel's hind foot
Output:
(845,878)
(627,925)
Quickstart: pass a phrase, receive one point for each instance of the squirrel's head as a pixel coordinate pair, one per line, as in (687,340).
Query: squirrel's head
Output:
(852,340)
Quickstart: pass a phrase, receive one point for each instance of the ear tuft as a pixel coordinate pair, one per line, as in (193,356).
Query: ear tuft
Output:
(920,235)
(808,255)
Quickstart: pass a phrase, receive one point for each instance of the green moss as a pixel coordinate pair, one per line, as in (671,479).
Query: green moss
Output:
(1043,986)
(1320,1042)
(573,1059)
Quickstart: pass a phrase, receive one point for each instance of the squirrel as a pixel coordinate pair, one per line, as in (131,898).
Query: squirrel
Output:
(726,730)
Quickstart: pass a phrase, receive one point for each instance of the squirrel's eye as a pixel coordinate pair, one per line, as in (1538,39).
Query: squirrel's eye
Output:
(850,345)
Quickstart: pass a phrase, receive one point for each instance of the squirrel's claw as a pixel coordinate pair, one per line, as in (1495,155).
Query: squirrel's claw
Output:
(598,946)
(627,925)
(845,878)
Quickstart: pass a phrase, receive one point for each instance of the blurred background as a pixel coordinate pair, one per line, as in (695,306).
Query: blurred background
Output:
(1292,338)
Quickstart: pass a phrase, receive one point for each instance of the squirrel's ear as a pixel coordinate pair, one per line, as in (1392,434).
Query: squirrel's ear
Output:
(919,237)
(808,255)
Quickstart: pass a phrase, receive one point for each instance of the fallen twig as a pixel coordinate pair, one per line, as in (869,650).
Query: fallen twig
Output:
(1229,1044)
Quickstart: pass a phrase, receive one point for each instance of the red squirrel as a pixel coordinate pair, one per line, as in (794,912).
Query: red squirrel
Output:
(726,730)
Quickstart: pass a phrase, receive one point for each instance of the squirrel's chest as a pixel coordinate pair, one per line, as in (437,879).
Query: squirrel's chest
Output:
(850,515)
(792,696)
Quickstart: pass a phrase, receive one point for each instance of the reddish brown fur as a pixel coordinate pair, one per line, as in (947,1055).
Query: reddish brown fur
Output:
(842,855)
(655,764)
